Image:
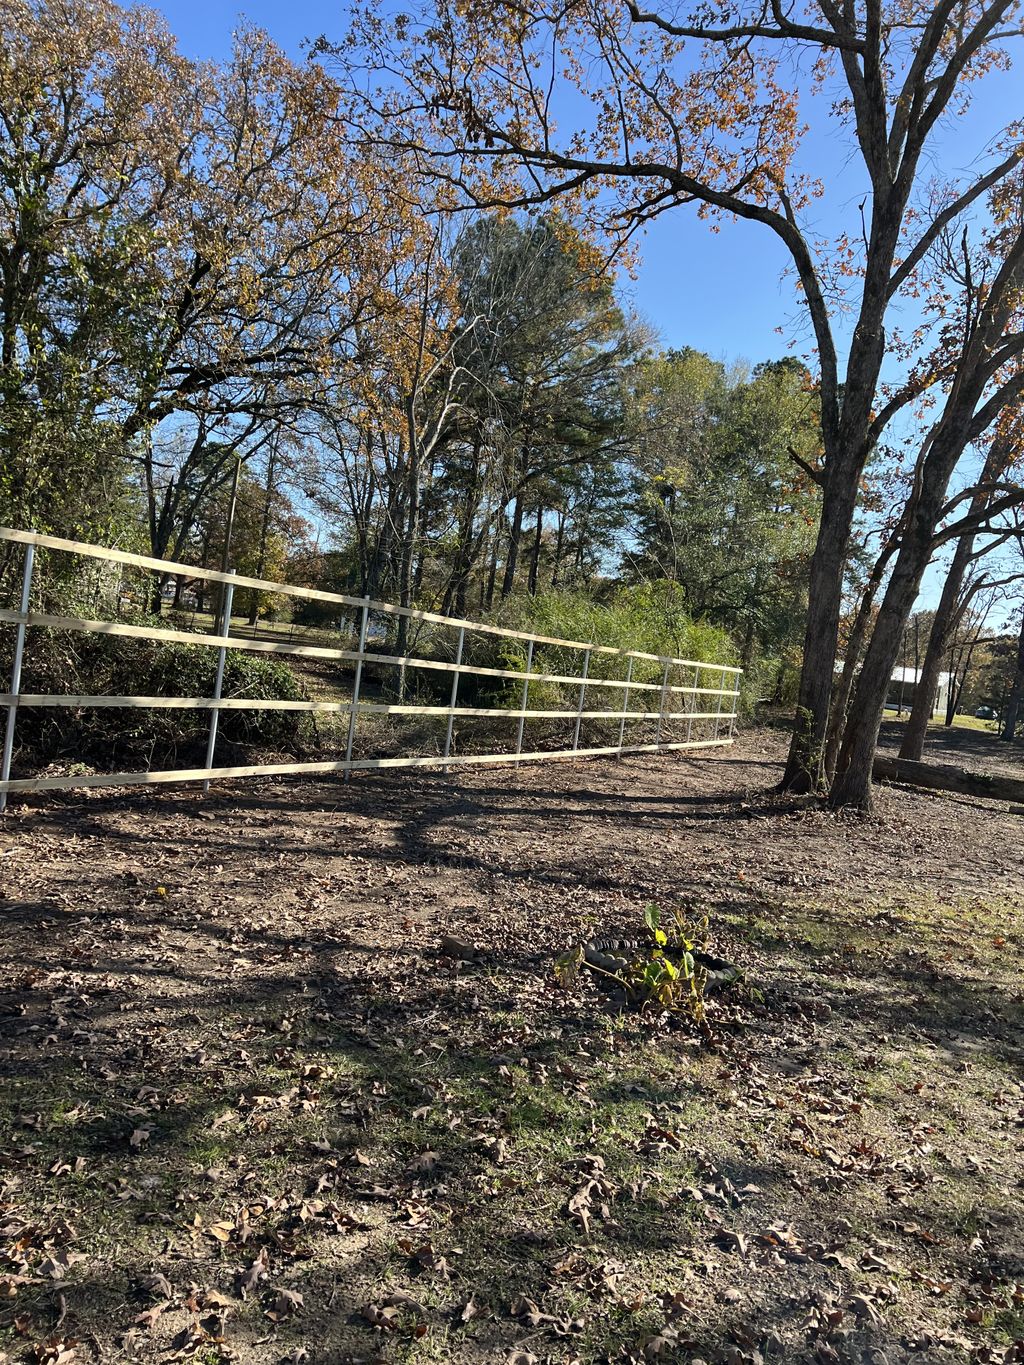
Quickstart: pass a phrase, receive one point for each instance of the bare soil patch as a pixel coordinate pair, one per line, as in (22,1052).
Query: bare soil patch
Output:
(250,1109)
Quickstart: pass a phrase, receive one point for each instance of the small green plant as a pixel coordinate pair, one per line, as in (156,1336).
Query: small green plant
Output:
(666,973)
(670,976)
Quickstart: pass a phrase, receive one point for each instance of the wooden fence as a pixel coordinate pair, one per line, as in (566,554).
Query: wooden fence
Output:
(699,697)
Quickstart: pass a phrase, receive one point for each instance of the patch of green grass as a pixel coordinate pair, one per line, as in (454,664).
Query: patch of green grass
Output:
(1008,1325)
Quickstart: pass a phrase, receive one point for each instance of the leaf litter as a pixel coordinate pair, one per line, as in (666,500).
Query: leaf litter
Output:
(334,1101)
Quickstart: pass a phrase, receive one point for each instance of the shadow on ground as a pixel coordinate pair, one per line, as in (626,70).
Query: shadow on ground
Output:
(249,1106)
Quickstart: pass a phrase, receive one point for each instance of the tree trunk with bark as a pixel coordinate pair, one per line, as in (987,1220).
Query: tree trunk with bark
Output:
(948,778)
(854,650)
(556,567)
(531,586)
(515,535)
(805,768)
(1015,701)
(947,615)
(261,563)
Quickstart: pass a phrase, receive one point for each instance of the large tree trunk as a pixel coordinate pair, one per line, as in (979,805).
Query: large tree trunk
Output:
(409,537)
(852,786)
(492,570)
(946,614)
(942,627)
(556,567)
(854,650)
(805,768)
(1016,698)
(467,544)
(947,777)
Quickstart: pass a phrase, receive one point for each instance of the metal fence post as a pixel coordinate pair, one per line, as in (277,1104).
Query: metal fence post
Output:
(579,708)
(523,698)
(661,704)
(218,682)
(357,682)
(19,651)
(455,693)
(718,708)
(625,705)
(694,700)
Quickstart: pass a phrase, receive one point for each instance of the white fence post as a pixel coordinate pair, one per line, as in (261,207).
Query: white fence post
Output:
(661,705)
(218,682)
(694,699)
(718,708)
(455,693)
(356,684)
(583,694)
(19,651)
(522,699)
(625,704)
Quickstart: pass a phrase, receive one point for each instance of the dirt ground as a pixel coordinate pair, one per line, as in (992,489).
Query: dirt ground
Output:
(252,1110)
(978,750)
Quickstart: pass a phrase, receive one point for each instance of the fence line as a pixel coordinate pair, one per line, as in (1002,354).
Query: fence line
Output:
(726,677)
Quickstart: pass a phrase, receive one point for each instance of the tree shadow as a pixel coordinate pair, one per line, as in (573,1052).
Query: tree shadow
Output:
(191,1081)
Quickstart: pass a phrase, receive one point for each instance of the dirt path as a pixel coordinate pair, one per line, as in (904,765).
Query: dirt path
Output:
(249,1109)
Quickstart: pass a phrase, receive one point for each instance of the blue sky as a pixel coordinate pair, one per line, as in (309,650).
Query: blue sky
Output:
(722,292)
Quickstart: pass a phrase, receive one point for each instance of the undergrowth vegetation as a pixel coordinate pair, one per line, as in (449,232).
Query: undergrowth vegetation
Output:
(93,665)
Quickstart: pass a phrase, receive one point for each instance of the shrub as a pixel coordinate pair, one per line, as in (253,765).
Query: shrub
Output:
(76,664)
(649,618)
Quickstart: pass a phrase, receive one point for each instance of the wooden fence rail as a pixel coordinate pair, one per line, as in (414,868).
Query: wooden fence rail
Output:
(713,685)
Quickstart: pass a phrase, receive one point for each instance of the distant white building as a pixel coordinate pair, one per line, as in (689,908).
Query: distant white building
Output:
(903,688)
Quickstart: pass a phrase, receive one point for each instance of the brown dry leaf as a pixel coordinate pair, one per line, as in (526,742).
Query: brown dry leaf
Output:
(156,1284)
(388,1312)
(385,1317)
(57,1265)
(149,1317)
(864,1310)
(458,948)
(285,1303)
(664,1343)
(529,1313)
(733,1241)
(426,1258)
(260,1268)
(422,1164)
(55,1351)
(869,1261)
